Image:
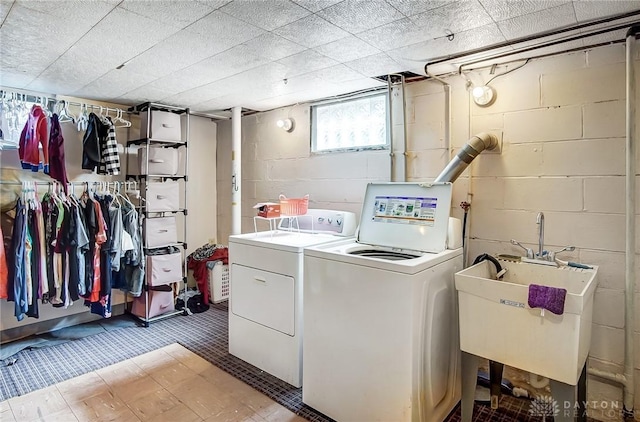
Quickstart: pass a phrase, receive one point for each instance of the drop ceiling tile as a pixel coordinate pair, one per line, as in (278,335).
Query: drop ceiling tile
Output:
(356,16)
(311,31)
(347,49)
(113,84)
(179,81)
(267,15)
(119,37)
(5,6)
(537,22)
(209,106)
(214,4)
(54,34)
(142,95)
(66,75)
(316,5)
(220,26)
(14,80)
(180,50)
(455,17)
(178,13)
(305,62)
(375,65)
(425,51)
(587,10)
(273,47)
(501,10)
(14,57)
(414,7)
(85,13)
(230,62)
(336,74)
(394,35)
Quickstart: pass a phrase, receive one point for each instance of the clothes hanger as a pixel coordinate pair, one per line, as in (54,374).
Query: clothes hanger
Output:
(83,118)
(63,112)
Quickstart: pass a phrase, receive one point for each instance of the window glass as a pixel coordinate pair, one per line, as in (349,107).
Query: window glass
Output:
(354,124)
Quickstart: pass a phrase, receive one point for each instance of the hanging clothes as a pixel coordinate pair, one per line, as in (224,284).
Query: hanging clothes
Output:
(91,142)
(57,169)
(109,158)
(4,272)
(35,135)
(16,286)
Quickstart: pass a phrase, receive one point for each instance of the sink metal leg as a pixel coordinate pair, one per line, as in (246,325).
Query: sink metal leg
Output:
(469,367)
(495,382)
(582,396)
(564,396)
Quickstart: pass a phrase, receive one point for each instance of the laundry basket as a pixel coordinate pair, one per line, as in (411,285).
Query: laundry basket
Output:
(219,282)
(293,206)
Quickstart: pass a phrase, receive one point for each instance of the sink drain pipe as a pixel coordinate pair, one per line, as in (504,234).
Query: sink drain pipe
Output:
(627,378)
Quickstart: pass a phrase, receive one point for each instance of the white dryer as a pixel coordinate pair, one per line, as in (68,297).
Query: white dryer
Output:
(380,324)
(266,284)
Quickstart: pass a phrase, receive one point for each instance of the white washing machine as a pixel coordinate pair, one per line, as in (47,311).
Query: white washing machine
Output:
(266,284)
(380,323)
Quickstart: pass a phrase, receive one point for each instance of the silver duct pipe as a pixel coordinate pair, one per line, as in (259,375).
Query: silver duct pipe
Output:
(469,151)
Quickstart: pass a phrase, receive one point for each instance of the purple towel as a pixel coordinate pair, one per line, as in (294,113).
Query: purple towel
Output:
(550,298)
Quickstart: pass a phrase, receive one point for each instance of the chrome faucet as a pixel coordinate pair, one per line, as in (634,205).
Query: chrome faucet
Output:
(540,222)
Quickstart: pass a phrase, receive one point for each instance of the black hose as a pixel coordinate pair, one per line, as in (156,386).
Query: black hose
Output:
(488,257)
(464,227)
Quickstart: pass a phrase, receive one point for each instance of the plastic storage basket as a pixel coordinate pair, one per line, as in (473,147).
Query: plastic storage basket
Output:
(219,282)
(293,206)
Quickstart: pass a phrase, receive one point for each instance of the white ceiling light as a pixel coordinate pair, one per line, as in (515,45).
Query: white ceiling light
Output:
(286,124)
(483,95)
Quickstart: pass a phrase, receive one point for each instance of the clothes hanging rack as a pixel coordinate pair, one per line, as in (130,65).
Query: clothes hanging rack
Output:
(49,102)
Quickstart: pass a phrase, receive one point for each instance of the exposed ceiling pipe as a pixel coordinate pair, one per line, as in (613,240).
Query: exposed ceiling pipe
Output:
(510,44)
(469,151)
(398,170)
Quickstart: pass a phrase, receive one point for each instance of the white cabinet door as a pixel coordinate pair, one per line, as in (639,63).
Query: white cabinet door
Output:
(263,297)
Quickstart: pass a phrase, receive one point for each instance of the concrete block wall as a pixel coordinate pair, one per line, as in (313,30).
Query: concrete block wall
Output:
(277,162)
(562,123)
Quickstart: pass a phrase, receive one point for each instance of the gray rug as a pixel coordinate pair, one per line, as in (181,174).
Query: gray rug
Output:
(206,334)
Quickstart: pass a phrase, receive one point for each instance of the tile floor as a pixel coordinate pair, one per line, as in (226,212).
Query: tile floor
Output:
(168,384)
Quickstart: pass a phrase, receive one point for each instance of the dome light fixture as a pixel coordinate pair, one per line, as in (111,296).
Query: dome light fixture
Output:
(483,95)
(286,124)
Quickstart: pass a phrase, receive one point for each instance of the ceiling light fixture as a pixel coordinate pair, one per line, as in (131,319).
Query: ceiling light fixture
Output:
(483,95)
(286,124)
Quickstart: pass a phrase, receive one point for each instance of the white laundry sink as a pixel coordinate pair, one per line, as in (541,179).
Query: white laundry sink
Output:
(497,323)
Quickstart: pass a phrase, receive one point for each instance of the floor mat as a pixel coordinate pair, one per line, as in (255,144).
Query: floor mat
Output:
(206,334)
(64,335)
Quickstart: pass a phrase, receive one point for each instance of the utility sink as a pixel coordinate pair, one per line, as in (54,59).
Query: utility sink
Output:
(497,323)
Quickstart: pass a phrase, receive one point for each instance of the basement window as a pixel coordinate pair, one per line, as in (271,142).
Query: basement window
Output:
(354,124)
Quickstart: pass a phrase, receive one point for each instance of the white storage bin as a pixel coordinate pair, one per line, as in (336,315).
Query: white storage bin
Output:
(160,232)
(164,269)
(165,126)
(159,303)
(163,196)
(219,282)
(162,161)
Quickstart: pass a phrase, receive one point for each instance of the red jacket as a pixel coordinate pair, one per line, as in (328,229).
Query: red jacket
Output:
(35,133)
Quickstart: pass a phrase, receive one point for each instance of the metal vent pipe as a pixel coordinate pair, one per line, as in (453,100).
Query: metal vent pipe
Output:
(469,151)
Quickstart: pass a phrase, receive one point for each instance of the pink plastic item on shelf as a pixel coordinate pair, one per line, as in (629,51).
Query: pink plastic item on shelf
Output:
(293,206)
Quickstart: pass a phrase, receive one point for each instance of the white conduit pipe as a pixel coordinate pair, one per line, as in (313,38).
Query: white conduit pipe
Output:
(447,113)
(236,171)
(627,378)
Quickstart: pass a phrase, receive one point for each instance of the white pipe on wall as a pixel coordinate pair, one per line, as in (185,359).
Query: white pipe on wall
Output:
(626,379)
(630,214)
(236,170)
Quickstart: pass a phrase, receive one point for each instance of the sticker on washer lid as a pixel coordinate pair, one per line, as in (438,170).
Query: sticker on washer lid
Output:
(405,210)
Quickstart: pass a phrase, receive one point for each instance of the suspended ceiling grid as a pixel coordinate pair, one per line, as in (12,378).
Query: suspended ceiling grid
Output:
(258,54)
